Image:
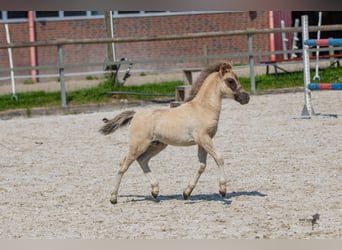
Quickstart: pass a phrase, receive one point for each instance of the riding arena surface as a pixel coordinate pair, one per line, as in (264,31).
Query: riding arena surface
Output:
(57,173)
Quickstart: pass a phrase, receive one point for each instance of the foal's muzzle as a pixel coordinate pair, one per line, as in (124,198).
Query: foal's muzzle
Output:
(242,97)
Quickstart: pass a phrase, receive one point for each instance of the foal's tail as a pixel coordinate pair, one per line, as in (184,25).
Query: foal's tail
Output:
(118,121)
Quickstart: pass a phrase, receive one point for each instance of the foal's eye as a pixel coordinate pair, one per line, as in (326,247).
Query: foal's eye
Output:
(231,83)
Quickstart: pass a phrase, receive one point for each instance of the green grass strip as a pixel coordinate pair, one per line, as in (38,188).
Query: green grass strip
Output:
(95,94)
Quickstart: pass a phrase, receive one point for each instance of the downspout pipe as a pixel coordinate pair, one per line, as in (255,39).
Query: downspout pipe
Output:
(33,55)
(271,36)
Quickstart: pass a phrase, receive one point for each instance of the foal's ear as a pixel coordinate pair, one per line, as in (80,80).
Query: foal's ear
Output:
(224,68)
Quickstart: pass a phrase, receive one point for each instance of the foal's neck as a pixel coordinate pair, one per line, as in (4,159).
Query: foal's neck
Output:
(209,96)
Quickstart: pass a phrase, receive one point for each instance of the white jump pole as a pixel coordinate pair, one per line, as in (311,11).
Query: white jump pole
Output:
(316,77)
(8,38)
(307,109)
(295,39)
(284,39)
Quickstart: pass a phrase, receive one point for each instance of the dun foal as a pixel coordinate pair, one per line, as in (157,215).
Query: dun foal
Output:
(194,122)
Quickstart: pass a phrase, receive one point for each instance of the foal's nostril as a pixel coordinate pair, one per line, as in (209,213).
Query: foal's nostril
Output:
(242,98)
(246,97)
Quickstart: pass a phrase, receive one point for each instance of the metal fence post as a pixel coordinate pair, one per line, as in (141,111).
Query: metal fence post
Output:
(251,63)
(61,74)
(205,54)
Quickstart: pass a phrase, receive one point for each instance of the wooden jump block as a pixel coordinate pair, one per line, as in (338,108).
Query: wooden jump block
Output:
(182,93)
(190,75)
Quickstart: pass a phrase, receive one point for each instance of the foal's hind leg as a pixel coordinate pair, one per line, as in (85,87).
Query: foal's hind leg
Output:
(124,165)
(154,149)
(135,150)
(202,156)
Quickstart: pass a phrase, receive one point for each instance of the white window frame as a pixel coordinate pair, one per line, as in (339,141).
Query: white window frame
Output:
(116,14)
(5,18)
(62,17)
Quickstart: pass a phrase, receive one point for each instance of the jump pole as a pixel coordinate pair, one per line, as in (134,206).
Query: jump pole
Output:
(325,86)
(8,38)
(308,111)
(324,42)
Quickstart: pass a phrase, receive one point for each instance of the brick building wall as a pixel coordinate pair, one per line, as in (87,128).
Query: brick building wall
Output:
(137,27)
(18,33)
(51,30)
(182,24)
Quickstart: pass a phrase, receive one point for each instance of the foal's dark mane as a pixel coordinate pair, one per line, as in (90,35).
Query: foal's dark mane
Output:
(201,78)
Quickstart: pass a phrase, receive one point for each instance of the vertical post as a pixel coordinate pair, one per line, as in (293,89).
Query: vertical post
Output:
(251,63)
(110,34)
(8,38)
(295,39)
(331,54)
(205,53)
(284,39)
(307,109)
(33,60)
(316,77)
(61,74)
(271,26)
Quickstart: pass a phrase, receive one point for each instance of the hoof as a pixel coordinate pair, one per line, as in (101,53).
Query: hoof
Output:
(185,196)
(155,194)
(113,200)
(223,193)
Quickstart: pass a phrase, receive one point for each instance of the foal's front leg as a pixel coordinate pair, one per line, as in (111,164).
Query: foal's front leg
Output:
(208,145)
(202,157)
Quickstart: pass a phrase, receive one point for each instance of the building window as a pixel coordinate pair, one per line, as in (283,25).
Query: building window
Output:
(75,13)
(16,14)
(97,13)
(154,11)
(13,16)
(158,13)
(40,14)
(128,12)
(65,15)
(20,16)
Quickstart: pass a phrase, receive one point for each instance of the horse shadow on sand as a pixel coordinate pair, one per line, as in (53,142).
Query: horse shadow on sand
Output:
(194,198)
